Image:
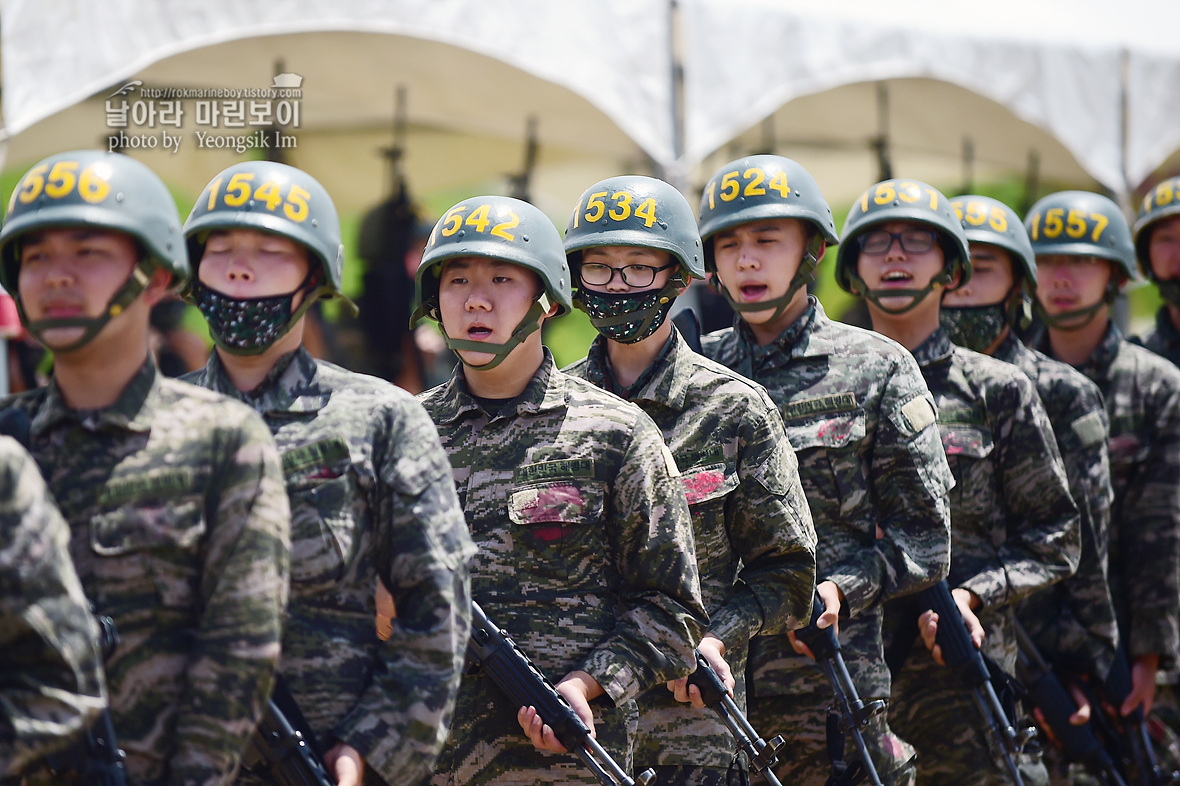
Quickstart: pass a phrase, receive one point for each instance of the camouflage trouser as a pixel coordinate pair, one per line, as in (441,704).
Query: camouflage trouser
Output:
(802,720)
(933,710)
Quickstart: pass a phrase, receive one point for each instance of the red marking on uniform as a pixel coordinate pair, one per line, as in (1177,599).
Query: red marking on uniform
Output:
(548,534)
(702,484)
(323,473)
(1123,444)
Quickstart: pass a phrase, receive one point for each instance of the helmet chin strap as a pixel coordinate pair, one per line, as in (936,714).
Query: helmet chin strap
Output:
(875,296)
(123,297)
(1056,321)
(803,276)
(526,327)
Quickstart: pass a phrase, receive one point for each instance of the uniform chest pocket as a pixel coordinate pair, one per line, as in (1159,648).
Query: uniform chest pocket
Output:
(707,484)
(565,529)
(969,453)
(828,449)
(151,547)
(323,496)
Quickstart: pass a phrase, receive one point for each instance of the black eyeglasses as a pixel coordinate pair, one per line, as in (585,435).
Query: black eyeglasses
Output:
(600,275)
(913,241)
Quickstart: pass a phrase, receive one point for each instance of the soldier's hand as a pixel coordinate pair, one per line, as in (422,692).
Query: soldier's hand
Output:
(386,611)
(712,648)
(346,764)
(1082,716)
(1143,670)
(833,599)
(928,623)
(578,688)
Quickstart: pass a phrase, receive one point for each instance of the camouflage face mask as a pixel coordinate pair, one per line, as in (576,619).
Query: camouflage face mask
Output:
(248,325)
(974,327)
(1170,291)
(628,317)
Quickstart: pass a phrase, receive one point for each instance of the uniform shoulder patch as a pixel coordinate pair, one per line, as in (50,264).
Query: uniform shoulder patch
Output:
(919,413)
(1089,429)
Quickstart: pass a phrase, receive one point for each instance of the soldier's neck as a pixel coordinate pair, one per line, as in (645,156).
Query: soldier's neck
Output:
(1174,316)
(629,361)
(93,380)
(1076,346)
(909,329)
(247,372)
(510,378)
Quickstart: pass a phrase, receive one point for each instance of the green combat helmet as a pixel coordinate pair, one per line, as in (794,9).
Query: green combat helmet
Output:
(282,200)
(1159,203)
(903,200)
(990,221)
(495,227)
(633,210)
(1082,223)
(102,190)
(764,187)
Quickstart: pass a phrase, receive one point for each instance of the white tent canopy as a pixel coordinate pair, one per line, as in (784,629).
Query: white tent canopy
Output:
(474,74)
(1045,77)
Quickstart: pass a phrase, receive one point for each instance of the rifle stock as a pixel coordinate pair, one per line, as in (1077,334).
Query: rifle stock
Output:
(1049,695)
(522,682)
(761,754)
(960,653)
(854,713)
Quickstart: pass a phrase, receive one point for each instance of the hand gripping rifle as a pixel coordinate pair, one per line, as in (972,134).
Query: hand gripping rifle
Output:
(960,653)
(761,754)
(491,650)
(281,749)
(1049,695)
(854,713)
(1127,739)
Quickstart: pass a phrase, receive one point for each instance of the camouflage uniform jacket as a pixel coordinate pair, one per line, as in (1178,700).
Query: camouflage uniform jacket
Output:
(584,550)
(180,533)
(371,496)
(861,422)
(1014,526)
(53,682)
(1073,622)
(755,543)
(1142,393)
(1164,340)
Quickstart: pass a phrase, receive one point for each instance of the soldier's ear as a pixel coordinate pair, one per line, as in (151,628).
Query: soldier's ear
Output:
(158,286)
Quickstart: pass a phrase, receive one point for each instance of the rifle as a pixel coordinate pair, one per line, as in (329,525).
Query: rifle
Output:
(280,750)
(761,754)
(960,653)
(1048,694)
(1127,741)
(491,650)
(854,713)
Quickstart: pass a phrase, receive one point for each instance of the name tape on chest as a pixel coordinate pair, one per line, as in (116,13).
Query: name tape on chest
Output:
(819,405)
(961,416)
(317,454)
(157,485)
(561,469)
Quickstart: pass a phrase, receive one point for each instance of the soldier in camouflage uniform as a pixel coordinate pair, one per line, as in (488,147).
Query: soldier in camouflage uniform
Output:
(52,685)
(1073,621)
(754,538)
(179,524)
(1084,256)
(861,422)
(585,549)
(370,488)
(1014,527)
(1157,246)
